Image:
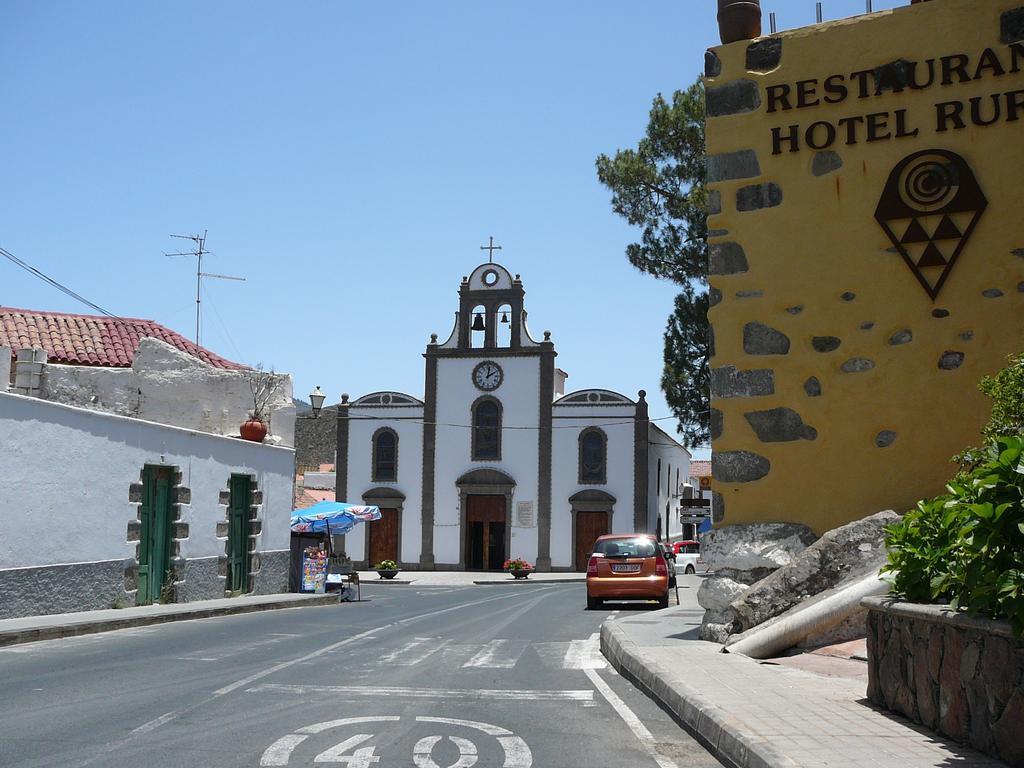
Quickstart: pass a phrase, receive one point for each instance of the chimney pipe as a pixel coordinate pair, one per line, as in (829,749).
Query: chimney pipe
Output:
(739,20)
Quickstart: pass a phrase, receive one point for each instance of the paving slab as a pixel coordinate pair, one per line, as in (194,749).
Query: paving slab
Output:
(755,715)
(49,627)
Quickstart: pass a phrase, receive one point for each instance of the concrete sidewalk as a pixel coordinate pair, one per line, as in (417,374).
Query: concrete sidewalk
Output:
(752,714)
(32,628)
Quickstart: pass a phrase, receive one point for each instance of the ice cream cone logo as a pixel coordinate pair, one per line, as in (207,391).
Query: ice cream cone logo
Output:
(929,208)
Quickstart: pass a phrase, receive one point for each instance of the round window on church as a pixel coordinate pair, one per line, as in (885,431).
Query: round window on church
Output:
(490,278)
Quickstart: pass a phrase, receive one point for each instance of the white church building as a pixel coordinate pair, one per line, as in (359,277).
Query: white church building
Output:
(496,460)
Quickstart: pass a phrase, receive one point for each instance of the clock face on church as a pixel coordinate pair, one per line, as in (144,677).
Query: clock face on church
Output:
(488,376)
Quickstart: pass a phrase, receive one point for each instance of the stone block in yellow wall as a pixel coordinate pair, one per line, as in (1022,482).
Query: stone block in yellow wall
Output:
(866,255)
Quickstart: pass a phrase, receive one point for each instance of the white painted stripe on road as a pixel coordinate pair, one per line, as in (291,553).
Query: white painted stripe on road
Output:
(639,730)
(583,654)
(499,654)
(156,723)
(354,638)
(426,693)
(412,653)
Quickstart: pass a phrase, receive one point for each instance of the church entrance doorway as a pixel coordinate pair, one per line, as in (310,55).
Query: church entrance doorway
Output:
(589,526)
(485,531)
(383,536)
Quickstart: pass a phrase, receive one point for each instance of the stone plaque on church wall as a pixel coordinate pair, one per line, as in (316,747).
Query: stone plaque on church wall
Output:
(524,514)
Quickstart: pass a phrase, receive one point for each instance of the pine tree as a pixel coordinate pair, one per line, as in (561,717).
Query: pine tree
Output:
(660,187)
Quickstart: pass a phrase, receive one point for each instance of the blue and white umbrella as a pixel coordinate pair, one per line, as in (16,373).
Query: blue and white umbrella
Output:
(332,517)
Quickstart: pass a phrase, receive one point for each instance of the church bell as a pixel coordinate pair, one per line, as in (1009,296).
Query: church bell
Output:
(478,322)
(504,318)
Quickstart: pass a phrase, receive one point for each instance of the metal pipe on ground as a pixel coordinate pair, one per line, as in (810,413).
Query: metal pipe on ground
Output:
(771,640)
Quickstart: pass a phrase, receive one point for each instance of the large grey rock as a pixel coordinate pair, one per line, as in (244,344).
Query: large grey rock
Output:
(748,547)
(717,592)
(842,555)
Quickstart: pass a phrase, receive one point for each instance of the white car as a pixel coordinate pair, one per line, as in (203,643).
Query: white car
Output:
(687,556)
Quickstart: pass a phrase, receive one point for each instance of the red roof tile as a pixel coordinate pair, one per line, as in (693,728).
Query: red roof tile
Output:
(700,469)
(92,339)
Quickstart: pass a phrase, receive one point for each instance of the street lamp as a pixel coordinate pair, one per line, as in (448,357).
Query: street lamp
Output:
(316,399)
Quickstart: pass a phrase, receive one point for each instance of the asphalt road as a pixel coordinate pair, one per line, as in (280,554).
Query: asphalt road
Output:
(508,677)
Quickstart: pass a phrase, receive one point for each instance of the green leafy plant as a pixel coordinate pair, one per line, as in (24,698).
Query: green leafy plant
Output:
(167,591)
(386,565)
(517,564)
(1006,389)
(967,546)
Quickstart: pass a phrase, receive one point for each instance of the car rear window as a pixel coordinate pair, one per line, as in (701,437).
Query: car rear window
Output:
(625,548)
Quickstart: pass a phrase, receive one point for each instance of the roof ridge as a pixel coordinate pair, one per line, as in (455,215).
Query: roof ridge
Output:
(78,314)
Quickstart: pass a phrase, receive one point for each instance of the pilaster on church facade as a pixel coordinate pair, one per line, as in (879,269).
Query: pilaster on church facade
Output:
(496,461)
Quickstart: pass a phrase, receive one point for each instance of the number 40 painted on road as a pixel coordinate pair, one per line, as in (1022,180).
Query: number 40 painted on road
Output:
(517,753)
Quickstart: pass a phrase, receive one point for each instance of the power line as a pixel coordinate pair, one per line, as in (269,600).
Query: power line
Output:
(56,284)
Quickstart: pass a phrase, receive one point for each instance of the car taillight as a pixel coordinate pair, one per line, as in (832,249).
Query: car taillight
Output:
(592,567)
(660,568)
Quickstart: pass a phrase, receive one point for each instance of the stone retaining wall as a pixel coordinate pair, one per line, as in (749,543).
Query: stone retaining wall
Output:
(960,676)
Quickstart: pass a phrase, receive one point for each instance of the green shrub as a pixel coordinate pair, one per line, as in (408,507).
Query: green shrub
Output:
(967,547)
(1006,389)
(386,565)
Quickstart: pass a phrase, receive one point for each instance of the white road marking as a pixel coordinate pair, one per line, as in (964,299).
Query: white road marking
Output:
(583,695)
(336,754)
(499,654)
(156,723)
(119,744)
(413,652)
(279,752)
(639,730)
(583,654)
(355,638)
(423,751)
(329,724)
(517,752)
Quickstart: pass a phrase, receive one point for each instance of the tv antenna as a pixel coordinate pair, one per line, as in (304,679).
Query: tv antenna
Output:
(199,251)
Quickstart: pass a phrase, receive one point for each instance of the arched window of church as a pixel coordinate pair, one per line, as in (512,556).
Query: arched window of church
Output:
(503,336)
(486,429)
(385,455)
(593,456)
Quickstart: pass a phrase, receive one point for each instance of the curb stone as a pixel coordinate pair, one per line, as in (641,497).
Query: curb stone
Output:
(77,628)
(714,728)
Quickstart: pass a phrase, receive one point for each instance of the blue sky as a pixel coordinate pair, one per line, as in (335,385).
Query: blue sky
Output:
(348,159)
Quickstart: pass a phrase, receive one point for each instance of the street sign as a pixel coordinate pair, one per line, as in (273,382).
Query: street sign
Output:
(694,503)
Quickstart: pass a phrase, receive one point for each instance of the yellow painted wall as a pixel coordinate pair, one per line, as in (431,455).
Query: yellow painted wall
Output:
(823,241)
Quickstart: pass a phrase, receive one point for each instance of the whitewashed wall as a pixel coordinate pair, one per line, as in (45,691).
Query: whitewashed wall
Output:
(168,386)
(565,470)
(407,423)
(519,394)
(675,460)
(6,363)
(65,473)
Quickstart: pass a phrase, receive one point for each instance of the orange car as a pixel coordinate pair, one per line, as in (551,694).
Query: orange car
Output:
(627,566)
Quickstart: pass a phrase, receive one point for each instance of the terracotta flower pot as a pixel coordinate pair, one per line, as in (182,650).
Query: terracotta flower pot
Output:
(253,430)
(739,20)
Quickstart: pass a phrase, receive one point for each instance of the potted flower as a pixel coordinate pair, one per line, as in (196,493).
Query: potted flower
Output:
(518,567)
(386,569)
(264,386)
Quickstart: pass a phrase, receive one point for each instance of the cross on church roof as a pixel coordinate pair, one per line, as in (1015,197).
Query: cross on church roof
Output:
(490,248)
